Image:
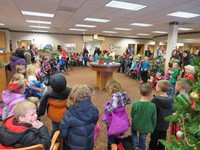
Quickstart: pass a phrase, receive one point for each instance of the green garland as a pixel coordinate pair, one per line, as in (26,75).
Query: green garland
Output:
(1,64)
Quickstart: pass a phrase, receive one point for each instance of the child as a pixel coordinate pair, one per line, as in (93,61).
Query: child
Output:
(143,114)
(55,101)
(155,80)
(173,77)
(189,73)
(181,87)
(144,70)
(77,126)
(164,105)
(133,68)
(167,75)
(20,69)
(11,96)
(35,101)
(119,99)
(22,129)
(36,87)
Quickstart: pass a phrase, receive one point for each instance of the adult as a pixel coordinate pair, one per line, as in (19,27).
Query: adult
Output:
(112,54)
(85,51)
(187,60)
(17,58)
(147,53)
(97,51)
(175,57)
(32,52)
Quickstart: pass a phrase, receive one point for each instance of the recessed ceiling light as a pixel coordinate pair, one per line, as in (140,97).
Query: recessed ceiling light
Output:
(109,32)
(1,24)
(44,27)
(185,29)
(183,14)
(123,29)
(132,36)
(162,32)
(83,25)
(141,24)
(125,5)
(30,13)
(39,31)
(96,20)
(36,21)
(74,29)
(143,34)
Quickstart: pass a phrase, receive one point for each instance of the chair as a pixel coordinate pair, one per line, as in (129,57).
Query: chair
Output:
(55,141)
(34,147)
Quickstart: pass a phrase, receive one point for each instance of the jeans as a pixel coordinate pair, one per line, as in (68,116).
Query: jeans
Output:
(142,139)
(56,126)
(172,89)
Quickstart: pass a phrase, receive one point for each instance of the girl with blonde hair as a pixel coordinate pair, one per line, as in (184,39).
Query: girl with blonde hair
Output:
(77,126)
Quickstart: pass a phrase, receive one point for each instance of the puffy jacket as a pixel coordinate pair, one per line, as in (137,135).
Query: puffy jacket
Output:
(77,126)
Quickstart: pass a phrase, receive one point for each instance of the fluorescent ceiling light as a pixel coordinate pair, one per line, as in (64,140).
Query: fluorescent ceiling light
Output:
(125,5)
(185,29)
(36,21)
(30,13)
(159,32)
(141,24)
(132,36)
(74,29)
(1,24)
(123,29)
(39,31)
(96,20)
(142,34)
(44,27)
(83,25)
(183,14)
(109,32)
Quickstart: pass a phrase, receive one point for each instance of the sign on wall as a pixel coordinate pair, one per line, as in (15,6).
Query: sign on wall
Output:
(70,47)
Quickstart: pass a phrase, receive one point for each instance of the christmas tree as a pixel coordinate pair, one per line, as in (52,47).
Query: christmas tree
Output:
(187,117)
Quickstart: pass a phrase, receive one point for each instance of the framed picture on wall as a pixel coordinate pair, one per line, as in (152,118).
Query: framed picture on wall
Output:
(70,47)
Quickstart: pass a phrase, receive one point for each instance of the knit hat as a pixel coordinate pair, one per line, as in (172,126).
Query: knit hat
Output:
(58,83)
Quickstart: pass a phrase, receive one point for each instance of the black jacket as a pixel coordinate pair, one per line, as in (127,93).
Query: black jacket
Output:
(22,135)
(52,94)
(77,126)
(164,108)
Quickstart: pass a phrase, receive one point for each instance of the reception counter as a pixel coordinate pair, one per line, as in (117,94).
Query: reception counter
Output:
(103,73)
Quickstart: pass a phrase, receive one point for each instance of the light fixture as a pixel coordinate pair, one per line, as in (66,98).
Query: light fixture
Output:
(141,24)
(132,36)
(1,24)
(109,32)
(125,5)
(84,25)
(36,21)
(30,13)
(39,31)
(44,27)
(96,20)
(75,29)
(162,32)
(185,29)
(183,14)
(122,29)
(143,34)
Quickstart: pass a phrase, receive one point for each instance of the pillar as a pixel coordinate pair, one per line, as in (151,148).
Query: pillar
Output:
(156,48)
(171,41)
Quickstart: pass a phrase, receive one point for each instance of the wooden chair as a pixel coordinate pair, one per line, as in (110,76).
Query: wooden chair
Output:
(55,141)
(34,147)
(113,146)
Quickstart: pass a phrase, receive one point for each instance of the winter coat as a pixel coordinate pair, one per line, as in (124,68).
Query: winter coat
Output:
(15,60)
(164,108)
(11,99)
(77,126)
(16,134)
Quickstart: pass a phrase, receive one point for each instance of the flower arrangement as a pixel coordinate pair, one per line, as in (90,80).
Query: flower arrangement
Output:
(106,60)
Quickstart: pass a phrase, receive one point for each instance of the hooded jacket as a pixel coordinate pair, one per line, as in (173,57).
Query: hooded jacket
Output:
(188,59)
(11,99)
(17,135)
(164,108)
(77,126)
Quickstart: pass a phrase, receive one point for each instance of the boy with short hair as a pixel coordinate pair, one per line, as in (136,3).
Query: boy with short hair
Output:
(143,114)
(23,129)
(164,105)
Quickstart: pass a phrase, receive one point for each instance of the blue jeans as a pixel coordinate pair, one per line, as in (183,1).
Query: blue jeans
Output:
(172,89)
(56,126)
(142,139)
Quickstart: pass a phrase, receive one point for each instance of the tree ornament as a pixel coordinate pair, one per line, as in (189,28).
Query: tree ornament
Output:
(179,134)
(194,96)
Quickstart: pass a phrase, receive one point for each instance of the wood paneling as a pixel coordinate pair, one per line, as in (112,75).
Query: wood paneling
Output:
(2,39)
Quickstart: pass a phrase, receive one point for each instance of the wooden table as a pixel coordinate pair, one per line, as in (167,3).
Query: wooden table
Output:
(104,73)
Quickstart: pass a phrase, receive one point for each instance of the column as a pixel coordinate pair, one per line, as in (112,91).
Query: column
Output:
(156,47)
(171,42)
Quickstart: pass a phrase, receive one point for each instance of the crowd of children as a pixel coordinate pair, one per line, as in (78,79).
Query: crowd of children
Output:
(72,112)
